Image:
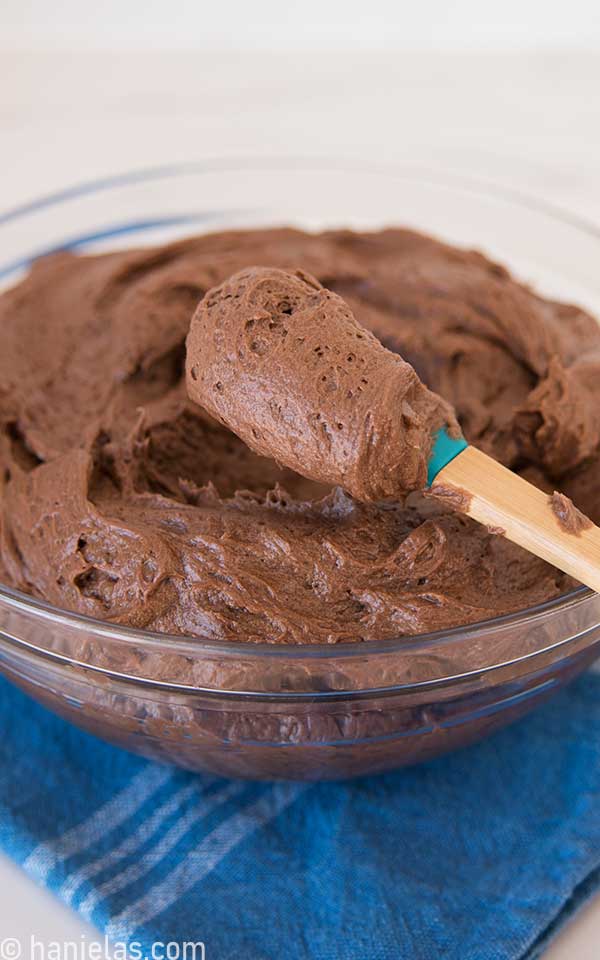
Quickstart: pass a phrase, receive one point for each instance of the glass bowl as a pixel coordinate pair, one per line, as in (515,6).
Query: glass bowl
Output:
(305,712)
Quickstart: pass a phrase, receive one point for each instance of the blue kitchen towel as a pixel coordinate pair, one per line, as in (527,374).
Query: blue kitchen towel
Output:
(475,856)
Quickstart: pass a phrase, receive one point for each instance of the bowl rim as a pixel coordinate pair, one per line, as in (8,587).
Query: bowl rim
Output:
(197,646)
(157,642)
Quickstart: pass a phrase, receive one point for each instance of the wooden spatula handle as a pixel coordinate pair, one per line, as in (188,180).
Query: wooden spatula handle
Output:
(485,490)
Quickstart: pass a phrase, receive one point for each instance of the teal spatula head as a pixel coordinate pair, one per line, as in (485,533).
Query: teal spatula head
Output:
(445,448)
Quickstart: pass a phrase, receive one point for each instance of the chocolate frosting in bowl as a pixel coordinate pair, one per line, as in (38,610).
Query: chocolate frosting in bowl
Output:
(122,499)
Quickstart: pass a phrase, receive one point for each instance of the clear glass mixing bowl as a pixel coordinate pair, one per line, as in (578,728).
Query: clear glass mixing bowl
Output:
(318,712)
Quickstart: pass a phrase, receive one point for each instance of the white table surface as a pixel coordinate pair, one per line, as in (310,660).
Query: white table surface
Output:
(528,121)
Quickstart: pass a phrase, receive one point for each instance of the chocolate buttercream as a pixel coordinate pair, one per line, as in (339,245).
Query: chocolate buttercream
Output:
(570,519)
(283,362)
(454,497)
(121,499)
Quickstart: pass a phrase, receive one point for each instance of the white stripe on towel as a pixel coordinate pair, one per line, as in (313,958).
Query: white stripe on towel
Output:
(153,857)
(45,857)
(203,859)
(131,843)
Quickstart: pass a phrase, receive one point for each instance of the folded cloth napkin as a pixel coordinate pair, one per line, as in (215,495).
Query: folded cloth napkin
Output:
(475,856)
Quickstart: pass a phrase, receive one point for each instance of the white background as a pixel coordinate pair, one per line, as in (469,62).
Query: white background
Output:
(506,92)
(305,25)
